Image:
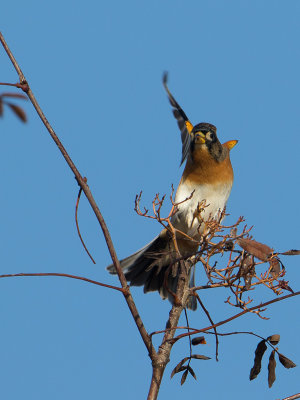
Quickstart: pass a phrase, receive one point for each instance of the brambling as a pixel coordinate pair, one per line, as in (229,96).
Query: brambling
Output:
(206,180)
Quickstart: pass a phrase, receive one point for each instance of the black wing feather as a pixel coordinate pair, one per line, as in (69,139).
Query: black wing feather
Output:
(182,121)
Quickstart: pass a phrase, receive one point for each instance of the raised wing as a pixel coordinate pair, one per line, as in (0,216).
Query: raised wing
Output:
(183,122)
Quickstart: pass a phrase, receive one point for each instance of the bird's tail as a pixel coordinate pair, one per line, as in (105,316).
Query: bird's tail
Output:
(148,267)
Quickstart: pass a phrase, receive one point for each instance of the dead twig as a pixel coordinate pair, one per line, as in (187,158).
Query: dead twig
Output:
(77,226)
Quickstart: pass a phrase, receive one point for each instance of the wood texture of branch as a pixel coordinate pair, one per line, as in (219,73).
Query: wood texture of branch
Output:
(162,358)
(294,397)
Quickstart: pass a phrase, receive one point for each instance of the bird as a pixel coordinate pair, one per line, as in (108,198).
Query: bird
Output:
(201,195)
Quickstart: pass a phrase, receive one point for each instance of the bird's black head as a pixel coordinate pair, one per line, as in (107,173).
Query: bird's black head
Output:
(205,135)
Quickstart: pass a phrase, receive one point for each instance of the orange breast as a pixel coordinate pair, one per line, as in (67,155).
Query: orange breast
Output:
(205,169)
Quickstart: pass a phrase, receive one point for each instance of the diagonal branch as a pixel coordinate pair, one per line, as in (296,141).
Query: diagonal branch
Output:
(294,397)
(126,291)
(236,316)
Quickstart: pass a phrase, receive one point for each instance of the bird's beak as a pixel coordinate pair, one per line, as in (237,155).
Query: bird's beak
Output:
(200,137)
(230,144)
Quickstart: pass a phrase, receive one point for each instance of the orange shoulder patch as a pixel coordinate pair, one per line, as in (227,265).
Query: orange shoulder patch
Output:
(189,126)
(230,144)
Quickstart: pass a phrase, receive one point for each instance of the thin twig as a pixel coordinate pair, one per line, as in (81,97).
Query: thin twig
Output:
(77,226)
(17,85)
(190,340)
(212,322)
(81,278)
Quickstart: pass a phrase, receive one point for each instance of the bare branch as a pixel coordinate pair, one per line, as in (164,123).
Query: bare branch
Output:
(126,291)
(230,260)
(162,358)
(294,397)
(62,275)
(237,315)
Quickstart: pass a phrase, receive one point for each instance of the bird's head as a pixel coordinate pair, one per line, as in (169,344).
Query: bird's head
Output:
(204,139)
(204,134)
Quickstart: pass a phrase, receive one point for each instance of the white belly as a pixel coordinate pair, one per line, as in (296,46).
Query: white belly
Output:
(215,197)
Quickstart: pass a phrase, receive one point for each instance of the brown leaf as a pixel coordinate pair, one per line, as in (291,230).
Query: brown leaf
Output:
(228,245)
(271,369)
(18,111)
(191,371)
(257,249)
(247,270)
(285,285)
(259,352)
(275,267)
(198,340)
(15,95)
(183,368)
(246,265)
(291,253)
(179,366)
(286,362)
(183,378)
(1,107)
(274,339)
(200,357)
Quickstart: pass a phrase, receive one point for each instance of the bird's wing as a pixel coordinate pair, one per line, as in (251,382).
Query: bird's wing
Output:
(183,122)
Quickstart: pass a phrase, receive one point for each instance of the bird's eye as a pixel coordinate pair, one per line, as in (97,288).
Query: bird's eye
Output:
(211,136)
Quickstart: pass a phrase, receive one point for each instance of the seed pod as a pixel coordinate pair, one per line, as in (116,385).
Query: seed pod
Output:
(271,369)
(274,339)
(259,352)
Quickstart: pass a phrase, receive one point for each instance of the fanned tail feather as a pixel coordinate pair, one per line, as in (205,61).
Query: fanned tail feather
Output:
(148,267)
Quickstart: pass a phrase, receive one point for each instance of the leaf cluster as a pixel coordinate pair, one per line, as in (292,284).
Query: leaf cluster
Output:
(258,356)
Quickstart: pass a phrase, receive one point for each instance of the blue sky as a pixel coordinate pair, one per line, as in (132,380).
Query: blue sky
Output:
(96,68)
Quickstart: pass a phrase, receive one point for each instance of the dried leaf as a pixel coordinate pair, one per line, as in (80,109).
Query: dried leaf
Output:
(246,265)
(291,253)
(257,249)
(183,368)
(259,352)
(191,371)
(271,369)
(179,366)
(183,378)
(284,285)
(275,267)
(286,362)
(198,340)
(15,95)
(274,339)
(247,271)
(18,111)
(1,107)
(228,245)
(200,357)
